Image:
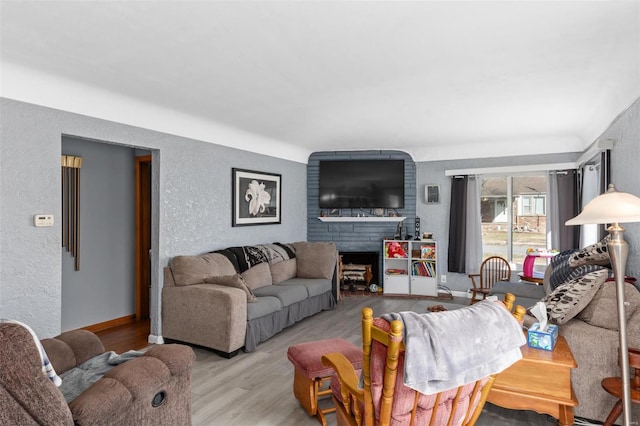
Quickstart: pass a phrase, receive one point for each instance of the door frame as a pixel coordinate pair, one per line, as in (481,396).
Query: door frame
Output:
(146,159)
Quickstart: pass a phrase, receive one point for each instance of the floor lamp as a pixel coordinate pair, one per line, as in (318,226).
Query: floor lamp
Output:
(613,208)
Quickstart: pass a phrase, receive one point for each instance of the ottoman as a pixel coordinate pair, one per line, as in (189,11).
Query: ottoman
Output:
(310,375)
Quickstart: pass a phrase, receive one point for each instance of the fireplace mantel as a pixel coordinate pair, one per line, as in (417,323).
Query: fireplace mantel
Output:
(361,219)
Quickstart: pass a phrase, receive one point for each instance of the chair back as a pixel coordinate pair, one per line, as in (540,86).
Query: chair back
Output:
(492,270)
(385,399)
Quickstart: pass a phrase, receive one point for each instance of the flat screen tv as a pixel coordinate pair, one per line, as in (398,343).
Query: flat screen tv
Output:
(354,184)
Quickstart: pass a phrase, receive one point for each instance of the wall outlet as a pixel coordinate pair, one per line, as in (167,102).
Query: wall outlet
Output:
(443,279)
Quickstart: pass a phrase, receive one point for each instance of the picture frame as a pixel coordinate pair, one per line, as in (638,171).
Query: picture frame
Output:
(256,197)
(431,194)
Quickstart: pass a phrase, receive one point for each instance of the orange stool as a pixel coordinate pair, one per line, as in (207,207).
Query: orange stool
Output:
(613,385)
(310,375)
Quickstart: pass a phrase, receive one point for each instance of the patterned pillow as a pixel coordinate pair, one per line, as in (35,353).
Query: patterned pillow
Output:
(566,301)
(595,254)
(560,268)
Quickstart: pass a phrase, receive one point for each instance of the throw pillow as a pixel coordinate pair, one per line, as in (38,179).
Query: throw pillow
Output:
(235,281)
(602,311)
(559,269)
(188,270)
(258,276)
(566,301)
(316,260)
(595,254)
(283,271)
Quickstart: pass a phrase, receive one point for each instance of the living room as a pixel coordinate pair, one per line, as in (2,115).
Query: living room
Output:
(193,156)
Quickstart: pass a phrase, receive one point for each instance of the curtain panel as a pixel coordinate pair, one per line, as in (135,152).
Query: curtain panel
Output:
(458,224)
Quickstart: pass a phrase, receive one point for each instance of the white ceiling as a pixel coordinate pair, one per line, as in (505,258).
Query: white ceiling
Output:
(440,80)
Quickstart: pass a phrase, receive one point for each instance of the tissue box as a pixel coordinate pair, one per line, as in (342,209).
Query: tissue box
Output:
(542,339)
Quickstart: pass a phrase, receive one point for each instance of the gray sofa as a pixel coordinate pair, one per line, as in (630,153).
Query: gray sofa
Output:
(586,312)
(237,297)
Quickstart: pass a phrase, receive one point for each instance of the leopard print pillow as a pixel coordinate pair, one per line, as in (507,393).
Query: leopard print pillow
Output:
(568,299)
(595,254)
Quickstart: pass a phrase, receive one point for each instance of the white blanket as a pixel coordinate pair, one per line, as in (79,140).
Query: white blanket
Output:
(448,349)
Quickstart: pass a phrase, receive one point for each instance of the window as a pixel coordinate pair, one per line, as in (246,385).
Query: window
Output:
(513,210)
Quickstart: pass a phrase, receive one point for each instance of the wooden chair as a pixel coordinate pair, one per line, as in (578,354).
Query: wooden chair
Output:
(492,270)
(384,397)
(613,385)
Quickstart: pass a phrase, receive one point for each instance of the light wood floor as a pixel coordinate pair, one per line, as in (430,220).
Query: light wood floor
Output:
(256,388)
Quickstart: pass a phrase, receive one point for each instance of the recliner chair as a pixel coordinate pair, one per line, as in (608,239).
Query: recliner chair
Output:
(153,389)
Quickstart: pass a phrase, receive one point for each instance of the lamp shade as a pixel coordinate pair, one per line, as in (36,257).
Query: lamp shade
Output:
(610,207)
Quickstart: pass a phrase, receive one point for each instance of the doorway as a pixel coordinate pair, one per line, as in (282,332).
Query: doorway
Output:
(143,236)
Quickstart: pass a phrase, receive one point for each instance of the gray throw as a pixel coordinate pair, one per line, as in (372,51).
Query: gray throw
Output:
(444,350)
(78,379)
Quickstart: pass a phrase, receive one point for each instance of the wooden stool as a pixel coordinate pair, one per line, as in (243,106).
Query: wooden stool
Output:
(613,385)
(310,374)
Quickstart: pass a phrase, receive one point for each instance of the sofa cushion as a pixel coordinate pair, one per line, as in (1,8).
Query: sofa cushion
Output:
(266,305)
(566,301)
(257,276)
(595,254)
(602,311)
(283,270)
(287,294)
(314,286)
(236,281)
(189,270)
(315,259)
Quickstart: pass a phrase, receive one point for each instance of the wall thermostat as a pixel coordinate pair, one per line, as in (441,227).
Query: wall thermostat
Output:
(40,220)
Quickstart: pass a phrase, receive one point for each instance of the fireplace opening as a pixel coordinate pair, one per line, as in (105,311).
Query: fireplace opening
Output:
(358,270)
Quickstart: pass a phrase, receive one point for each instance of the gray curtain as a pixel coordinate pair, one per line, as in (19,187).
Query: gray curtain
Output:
(563,205)
(458,225)
(474,226)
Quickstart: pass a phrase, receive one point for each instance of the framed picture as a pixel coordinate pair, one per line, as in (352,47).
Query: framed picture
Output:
(256,197)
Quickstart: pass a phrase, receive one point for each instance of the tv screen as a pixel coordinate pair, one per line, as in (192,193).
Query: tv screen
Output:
(354,184)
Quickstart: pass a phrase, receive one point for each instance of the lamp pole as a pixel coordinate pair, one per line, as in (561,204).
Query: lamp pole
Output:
(618,253)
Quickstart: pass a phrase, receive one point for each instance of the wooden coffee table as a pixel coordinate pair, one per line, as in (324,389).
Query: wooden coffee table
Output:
(540,381)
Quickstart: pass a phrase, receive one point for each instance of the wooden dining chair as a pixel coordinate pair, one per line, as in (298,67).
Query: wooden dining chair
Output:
(384,399)
(613,385)
(492,270)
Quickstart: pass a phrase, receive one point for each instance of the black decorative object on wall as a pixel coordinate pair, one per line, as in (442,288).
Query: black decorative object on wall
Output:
(256,198)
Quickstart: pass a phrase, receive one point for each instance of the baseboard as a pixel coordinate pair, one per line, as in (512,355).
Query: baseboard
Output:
(155,340)
(456,293)
(110,324)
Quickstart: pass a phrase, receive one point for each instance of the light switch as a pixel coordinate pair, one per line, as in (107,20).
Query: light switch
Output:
(40,220)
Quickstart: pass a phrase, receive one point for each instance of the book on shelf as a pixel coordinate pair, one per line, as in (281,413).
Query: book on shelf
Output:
(424,269)
(428,252)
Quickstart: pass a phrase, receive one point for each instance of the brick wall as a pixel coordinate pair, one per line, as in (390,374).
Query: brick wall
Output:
(358,236)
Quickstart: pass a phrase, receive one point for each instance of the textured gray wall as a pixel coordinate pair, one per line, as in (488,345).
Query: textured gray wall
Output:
(625,173)
(358,236)
(435,217)
(191,181)
(104,287)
